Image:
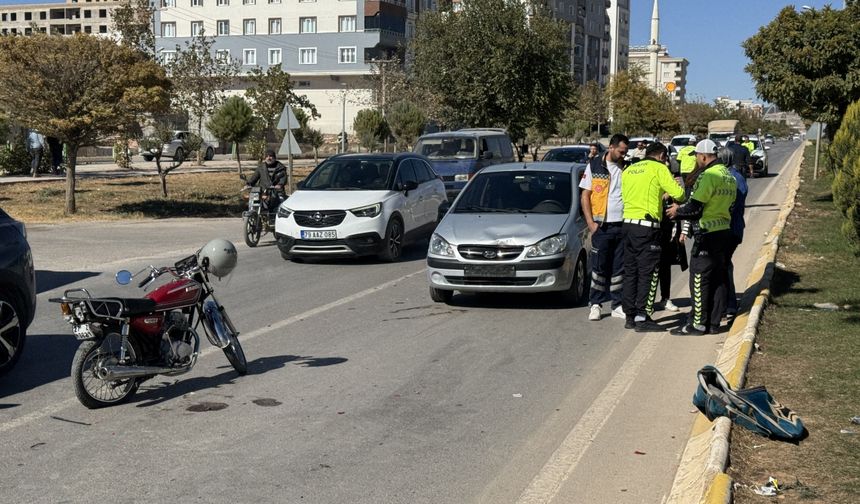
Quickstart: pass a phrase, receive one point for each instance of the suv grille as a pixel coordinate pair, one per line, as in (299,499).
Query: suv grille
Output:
(489,253)
(319,218)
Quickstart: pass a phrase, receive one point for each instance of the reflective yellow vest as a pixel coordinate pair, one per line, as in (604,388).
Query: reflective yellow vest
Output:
(686,159)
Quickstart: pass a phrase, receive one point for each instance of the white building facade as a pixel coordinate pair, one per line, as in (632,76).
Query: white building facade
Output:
(671,75)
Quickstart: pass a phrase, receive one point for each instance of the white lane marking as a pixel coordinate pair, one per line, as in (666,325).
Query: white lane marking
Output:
(549,480)
(50,410)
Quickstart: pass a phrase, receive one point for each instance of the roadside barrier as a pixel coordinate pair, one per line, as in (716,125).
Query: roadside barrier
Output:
(701,476)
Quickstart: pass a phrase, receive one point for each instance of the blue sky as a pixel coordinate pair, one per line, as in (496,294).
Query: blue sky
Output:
(709,35)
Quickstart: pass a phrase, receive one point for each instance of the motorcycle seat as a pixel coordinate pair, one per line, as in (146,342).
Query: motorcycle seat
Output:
(134,306)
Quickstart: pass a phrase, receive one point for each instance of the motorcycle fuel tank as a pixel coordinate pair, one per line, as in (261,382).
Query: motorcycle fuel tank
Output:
(176,294)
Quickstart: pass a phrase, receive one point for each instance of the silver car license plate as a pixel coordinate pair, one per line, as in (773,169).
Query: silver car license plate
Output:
(319,235)
(489,270)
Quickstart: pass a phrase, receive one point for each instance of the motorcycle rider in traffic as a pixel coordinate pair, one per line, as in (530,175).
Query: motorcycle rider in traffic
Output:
(271,173)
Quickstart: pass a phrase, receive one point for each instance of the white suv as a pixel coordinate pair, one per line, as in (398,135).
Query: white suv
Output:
(361,204)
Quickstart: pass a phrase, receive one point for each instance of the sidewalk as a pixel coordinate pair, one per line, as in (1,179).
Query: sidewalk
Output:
(108,169)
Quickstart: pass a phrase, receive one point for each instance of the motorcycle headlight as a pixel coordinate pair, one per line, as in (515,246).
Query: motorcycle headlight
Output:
(439,246)
(548,246)
(284,212)
(367,211)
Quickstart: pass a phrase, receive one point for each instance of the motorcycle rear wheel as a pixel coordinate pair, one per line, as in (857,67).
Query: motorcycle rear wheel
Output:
(234,351)
(92,391)
(253,229)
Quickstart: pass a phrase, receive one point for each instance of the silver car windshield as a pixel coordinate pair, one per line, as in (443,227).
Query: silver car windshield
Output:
(350,175)
(447,148)
(517,192)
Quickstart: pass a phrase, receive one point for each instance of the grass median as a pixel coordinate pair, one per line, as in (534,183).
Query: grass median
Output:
(808,359)
(203,194)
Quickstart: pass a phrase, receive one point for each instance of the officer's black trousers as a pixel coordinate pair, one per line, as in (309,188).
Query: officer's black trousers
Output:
(607,264)
(641,269)
(709,278)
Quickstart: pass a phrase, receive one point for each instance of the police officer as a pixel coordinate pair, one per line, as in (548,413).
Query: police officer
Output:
(741,158)
(748,144)
(644,185)
(603,210)
(687,158)
(710,202)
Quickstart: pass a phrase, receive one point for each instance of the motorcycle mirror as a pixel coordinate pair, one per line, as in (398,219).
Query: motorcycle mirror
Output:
(123,277)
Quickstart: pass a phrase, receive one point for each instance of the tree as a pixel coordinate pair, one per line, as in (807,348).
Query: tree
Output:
(370,127)
(199,80)
(406,121)
(626,92)
(233,122)
(591,105)
(315,139)
(695,116)
(78,89)
(489,64)
(845,152)
(132,20)
(269,91)
(154,142)
(809,62)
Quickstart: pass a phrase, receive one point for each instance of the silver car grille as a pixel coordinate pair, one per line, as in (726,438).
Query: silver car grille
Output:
(489,252)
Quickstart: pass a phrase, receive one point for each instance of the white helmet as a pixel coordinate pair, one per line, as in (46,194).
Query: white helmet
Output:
(219,257)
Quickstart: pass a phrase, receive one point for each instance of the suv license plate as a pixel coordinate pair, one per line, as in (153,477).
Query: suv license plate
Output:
(489,270)
(319,235)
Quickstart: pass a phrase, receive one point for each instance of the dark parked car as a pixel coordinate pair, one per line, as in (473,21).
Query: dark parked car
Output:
(17,290)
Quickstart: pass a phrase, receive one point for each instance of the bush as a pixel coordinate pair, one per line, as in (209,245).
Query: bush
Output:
(845,152)
(15,158)
(370,127)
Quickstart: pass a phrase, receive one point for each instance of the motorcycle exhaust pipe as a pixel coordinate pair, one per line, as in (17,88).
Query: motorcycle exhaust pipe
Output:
(111,373)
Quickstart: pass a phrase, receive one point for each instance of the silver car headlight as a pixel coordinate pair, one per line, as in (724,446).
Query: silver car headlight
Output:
(284,212)
(548,246)
(367,211)
(439,246)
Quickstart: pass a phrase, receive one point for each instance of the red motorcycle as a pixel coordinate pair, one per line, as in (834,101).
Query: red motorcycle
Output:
(125,341)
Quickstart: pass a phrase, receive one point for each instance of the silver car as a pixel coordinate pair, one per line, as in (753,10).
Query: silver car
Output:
(177,149)
(514,228)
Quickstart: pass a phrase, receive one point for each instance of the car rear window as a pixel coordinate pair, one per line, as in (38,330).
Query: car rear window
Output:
(567,155)
(517,192)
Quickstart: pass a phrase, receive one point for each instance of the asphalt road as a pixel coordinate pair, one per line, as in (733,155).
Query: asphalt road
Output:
(360,389)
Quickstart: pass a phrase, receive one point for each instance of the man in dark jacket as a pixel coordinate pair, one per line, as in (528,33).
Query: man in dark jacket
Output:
(270,174)
(741,158)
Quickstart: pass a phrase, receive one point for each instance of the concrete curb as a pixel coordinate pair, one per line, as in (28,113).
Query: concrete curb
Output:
(701,476)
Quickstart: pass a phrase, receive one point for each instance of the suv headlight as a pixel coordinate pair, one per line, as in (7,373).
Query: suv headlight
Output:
(548,246)
(439,246)
(367,211)
(284,212)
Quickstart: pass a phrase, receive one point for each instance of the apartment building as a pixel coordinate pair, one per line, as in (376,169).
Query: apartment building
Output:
(74,16)
(327,46)
(671,71)
(619,35)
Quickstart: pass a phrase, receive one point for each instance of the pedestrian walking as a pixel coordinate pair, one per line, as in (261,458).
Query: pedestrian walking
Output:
(603,210)
(710,203)
(645,184)
(36,147)
(737,227)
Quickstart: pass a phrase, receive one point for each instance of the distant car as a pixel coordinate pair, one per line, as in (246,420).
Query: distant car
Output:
(177,148)
(571,153)
(759,157)
(679,141)
(17,290)
(513,228)
(361,204)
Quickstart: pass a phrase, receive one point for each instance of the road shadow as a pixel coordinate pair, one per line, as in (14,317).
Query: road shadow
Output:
(46,358)
(48,280)
(158,390)
(508,300)
(416,251)
(133,183)
(166,208)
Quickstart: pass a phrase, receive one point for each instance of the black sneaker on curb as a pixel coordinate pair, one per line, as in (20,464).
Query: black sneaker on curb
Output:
(714,330)
(688,330)
(629,324)
(649,325)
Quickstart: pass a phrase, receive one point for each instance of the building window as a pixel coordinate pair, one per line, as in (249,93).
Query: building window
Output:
(308,25)
(102,28)
(44,15)
(249,2)
(196,28)
(346,54)
(102,13)
(346,23)
(168,29)
(307,1)
(274,56)
(274,26)
(249,57)
(223,55)
(222,3)
(274,1)
(307,55)
(303,83)
(197,3)
(167,57)
(224,27)
(28,16)
(88,29)
(88,14)
(168,3)
(249,27)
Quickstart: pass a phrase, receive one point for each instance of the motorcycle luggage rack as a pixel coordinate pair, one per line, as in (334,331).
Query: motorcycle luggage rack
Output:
(106,308)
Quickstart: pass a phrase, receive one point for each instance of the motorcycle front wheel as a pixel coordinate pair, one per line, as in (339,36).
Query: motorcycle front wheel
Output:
(234,351)
(91,357)
(253,229)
